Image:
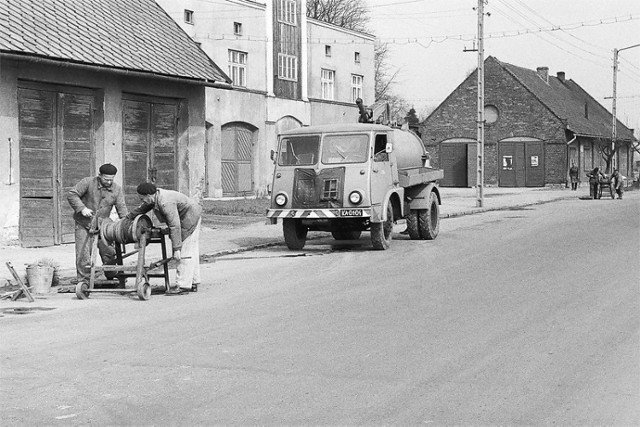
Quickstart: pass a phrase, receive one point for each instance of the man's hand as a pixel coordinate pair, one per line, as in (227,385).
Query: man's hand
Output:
(176,255)
(87,212)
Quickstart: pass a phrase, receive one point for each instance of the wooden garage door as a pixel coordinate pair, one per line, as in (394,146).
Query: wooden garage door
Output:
(150,138)
(453,160)
(237,166)
(56,151)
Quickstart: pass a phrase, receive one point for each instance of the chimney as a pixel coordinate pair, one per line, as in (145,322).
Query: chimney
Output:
(561,76)
(543,72)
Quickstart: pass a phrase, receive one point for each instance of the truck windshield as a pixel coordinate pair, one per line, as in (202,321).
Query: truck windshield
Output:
(299,150)
(345,149)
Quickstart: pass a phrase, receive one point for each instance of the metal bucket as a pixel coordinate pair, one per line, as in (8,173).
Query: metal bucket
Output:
(40,278)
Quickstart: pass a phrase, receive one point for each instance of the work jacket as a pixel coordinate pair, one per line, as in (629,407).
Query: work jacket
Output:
(181,214)
(90,193)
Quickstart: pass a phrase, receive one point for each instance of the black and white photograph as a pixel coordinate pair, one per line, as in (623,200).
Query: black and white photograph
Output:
(319,212)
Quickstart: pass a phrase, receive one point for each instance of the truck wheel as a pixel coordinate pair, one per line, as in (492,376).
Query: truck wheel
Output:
(429,219)
(346,234)
(381,231)
(412,224)
(295,234)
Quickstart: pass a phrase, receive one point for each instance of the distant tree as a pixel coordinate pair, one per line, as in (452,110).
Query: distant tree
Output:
(351,14)
(384,82)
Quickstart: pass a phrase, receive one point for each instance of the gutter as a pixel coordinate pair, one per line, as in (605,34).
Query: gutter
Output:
(120,71)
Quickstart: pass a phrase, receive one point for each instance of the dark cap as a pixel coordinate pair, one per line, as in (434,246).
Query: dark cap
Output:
(108,169)
(146,188)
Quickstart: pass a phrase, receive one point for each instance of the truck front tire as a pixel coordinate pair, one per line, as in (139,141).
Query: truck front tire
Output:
(381,231)
(295,233)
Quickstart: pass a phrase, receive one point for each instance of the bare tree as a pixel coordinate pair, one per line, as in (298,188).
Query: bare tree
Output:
(384,81)
(351,14)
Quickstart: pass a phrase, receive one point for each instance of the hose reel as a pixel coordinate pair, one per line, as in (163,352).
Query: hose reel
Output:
(125,230)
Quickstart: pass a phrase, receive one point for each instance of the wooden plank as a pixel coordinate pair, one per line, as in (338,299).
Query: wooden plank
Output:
(23,288)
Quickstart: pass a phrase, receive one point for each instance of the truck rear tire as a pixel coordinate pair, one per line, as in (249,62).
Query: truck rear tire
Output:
(295,233)
(346,234)
(429,219)
(412,225)
(381,231)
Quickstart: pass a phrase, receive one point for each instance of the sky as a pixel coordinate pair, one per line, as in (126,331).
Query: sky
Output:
(427,39)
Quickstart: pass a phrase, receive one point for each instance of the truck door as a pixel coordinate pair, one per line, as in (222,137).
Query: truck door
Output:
(381,172)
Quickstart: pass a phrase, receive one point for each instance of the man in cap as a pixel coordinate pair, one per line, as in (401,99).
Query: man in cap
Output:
(182,215)
(92,199)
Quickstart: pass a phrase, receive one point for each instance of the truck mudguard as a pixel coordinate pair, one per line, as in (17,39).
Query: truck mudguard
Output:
(419,195)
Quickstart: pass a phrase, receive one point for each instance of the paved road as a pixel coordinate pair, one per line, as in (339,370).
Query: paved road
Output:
(528,316)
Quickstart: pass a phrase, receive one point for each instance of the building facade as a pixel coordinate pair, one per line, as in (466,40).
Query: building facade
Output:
(536,127)
(73,98)
(287,71)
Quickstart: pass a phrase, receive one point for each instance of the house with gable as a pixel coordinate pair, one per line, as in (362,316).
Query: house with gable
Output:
(287,71)
(86,82)
(536,127)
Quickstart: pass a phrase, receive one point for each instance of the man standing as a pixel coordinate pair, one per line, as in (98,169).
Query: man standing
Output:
(182,215)
(616,182)
(92,199)
(573,174)
(595,177)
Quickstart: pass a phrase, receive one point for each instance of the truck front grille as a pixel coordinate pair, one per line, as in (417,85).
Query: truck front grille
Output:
(323,189)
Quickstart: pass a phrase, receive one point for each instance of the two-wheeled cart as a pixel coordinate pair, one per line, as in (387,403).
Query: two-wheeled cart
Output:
(139,231)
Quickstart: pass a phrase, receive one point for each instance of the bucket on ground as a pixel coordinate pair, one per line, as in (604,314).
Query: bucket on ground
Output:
(40,278)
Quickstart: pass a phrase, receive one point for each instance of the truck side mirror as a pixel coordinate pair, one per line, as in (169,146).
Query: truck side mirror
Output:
(273,155)
(388,148)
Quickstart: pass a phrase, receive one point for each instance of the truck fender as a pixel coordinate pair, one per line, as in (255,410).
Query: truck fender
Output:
(379,213)
(420,197)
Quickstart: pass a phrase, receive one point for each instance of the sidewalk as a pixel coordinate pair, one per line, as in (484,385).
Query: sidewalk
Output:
(219,241)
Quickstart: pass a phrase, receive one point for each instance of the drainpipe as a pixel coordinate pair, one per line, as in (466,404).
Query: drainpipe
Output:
(568,178)
(10,161)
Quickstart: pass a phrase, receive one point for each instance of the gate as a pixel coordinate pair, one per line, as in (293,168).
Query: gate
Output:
(237,160)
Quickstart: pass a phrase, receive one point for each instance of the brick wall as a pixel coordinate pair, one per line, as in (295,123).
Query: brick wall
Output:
(520,115)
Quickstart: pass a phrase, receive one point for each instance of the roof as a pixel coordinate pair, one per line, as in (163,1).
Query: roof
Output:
(132,35)
(340,127)
(567,100)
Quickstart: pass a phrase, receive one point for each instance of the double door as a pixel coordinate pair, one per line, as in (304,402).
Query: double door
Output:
(56,128)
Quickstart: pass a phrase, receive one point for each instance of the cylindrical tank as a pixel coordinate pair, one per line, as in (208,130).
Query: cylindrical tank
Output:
(408,148)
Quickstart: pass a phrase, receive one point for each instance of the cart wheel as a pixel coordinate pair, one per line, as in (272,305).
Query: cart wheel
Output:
(82,290)
(144,291)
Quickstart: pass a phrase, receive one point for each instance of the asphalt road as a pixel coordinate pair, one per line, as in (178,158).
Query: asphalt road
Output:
(529,316)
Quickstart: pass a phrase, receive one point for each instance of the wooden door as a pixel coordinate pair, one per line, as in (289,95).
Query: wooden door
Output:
(56,151)
(534,164)
(453,158)
(149,143)
(237,166)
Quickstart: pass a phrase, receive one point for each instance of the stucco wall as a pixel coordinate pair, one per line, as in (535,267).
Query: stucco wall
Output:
(109,88)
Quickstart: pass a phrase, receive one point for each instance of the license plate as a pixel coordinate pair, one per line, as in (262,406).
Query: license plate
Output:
(351,212)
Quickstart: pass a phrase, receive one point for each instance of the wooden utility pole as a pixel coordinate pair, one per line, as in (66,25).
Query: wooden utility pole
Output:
(480,121)
(613,104)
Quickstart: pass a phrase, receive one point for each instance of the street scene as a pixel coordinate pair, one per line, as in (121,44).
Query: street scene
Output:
(319,212)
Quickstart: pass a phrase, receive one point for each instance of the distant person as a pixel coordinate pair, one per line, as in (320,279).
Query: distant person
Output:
(595,177)
(182,215)
(573,175)
(616,182)
(93,198)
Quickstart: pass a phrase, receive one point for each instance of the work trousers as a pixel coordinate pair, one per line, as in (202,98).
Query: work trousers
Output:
(188,270)
(83,253)
(595,187)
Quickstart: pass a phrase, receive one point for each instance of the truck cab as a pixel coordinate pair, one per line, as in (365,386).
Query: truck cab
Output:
(345,179)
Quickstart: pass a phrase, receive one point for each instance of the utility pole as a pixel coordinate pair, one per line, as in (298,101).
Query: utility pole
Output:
(613,103)
(480,121)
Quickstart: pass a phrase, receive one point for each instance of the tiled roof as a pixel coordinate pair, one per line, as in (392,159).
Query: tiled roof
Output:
(567,101)
(125,34)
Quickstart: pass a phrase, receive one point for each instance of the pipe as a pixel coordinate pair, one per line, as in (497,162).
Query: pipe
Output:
(125,230)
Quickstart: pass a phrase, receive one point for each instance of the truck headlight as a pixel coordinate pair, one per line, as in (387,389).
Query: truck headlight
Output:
(280,199)
(355,197)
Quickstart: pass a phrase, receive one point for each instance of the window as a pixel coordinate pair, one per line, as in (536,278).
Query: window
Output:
(288,11)
(356,87)
(188,16)
(238,67)
(287,67)
(340,149)
(299,150)
(490,114)
(507,163)
(327,80)
(327,50)
(356,57)
(237,28)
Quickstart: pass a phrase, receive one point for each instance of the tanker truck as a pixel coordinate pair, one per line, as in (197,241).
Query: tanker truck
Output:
(349,178)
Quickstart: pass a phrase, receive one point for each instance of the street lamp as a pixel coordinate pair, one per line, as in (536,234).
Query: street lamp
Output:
(613,102)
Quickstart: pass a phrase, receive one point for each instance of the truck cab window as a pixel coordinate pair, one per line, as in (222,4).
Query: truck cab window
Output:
(299,150)
(350,148)
(379,150)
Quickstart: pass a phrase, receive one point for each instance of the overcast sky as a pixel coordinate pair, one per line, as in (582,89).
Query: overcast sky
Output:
(427,39)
